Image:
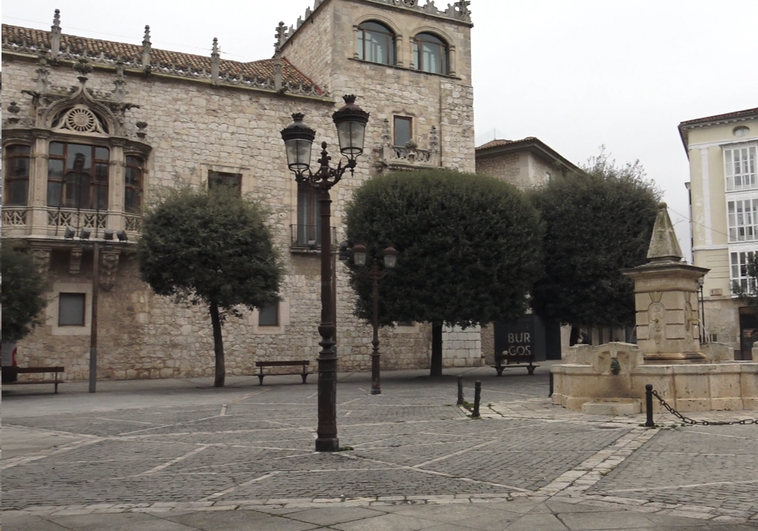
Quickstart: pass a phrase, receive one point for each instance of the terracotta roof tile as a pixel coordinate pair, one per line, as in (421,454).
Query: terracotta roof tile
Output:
(40,39)
(528,143)
(504,142)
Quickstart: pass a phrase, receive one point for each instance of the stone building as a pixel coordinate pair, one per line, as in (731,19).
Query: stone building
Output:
(524,163)
(93,129)
(723,190)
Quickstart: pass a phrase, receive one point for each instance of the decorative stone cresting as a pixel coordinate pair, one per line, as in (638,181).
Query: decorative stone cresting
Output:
(145,59)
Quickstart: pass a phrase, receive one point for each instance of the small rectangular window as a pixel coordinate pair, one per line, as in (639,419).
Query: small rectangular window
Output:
(71,309)
(219,178)
(269,315)
(403,130)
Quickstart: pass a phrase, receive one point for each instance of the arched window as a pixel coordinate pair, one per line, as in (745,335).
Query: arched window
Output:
(17,176)
(376,43)
(430,53)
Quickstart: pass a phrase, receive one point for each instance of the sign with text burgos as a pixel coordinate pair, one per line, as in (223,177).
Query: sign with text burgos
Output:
(518,342)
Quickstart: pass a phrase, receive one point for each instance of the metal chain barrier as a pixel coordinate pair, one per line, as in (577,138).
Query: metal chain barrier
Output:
(687,420)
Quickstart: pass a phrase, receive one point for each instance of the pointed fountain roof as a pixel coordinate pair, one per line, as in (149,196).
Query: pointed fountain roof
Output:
(664,247)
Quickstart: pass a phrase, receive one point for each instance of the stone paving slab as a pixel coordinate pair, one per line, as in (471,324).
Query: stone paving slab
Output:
(195,457)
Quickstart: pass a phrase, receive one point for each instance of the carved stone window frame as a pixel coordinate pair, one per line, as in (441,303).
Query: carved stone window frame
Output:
(283,320)
(52,316)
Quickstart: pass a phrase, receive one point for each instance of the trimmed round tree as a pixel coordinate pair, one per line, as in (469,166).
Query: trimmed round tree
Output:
(212,247)
(23,293)
(596,223)
(469,249)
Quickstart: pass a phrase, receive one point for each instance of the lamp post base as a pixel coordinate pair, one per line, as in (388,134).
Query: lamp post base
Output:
(327,445)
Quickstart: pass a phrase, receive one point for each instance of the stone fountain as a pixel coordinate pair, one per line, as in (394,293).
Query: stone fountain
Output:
(690,376)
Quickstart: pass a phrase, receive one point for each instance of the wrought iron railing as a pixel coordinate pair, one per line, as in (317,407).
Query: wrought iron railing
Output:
(308,236)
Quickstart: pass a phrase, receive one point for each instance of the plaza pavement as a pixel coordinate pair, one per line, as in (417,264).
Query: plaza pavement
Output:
(180,455)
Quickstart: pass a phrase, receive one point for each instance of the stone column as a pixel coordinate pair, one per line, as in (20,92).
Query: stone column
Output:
(665,292)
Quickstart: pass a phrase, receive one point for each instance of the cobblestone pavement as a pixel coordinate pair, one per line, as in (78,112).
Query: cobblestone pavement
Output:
(180,447)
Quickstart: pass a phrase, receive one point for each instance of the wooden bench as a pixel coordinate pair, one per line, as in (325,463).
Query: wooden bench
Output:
(510,363)
(35,370)
(296,363)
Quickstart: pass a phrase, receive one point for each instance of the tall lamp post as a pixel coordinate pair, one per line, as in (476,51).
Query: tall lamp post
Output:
(84,236)
(298,139)
(375,273)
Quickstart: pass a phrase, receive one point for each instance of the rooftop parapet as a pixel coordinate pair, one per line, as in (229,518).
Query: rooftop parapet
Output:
(458,11)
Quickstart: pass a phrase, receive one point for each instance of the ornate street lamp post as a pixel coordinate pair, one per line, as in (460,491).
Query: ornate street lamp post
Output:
(84,237)
(375,273)
(298,138)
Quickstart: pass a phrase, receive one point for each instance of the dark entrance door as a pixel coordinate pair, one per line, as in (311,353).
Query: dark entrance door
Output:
(748,333)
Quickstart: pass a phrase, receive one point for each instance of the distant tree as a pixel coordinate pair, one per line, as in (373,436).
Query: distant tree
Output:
(211,247)
(469,249)
(23,291)
(597,222)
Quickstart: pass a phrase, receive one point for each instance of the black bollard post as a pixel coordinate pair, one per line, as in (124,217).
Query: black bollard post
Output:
(550,390)
(477,398)
(649,406)
(460,391)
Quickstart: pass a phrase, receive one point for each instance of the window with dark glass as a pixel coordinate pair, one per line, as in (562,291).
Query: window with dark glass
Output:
(308,218)
(71,309)
(268,315)
(403,130)
(17,175)
(133,183)
(376,43)
(430,53)
(77,176)
(222,178)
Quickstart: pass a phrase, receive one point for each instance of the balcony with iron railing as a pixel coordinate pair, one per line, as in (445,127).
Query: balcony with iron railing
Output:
(307,238)
(47,222)
(409,156)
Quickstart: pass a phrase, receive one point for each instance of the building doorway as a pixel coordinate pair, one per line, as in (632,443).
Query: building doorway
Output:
(748,333)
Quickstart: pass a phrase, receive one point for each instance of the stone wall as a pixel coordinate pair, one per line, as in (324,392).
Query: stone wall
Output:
(462,347)
(506,167)
(521,168)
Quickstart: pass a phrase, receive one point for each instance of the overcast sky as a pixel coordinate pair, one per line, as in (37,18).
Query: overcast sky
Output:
(577,74)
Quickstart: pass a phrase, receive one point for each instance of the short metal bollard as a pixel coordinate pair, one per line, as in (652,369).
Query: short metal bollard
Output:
(477,398)
(460,391)
(649,406)
(550,390)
